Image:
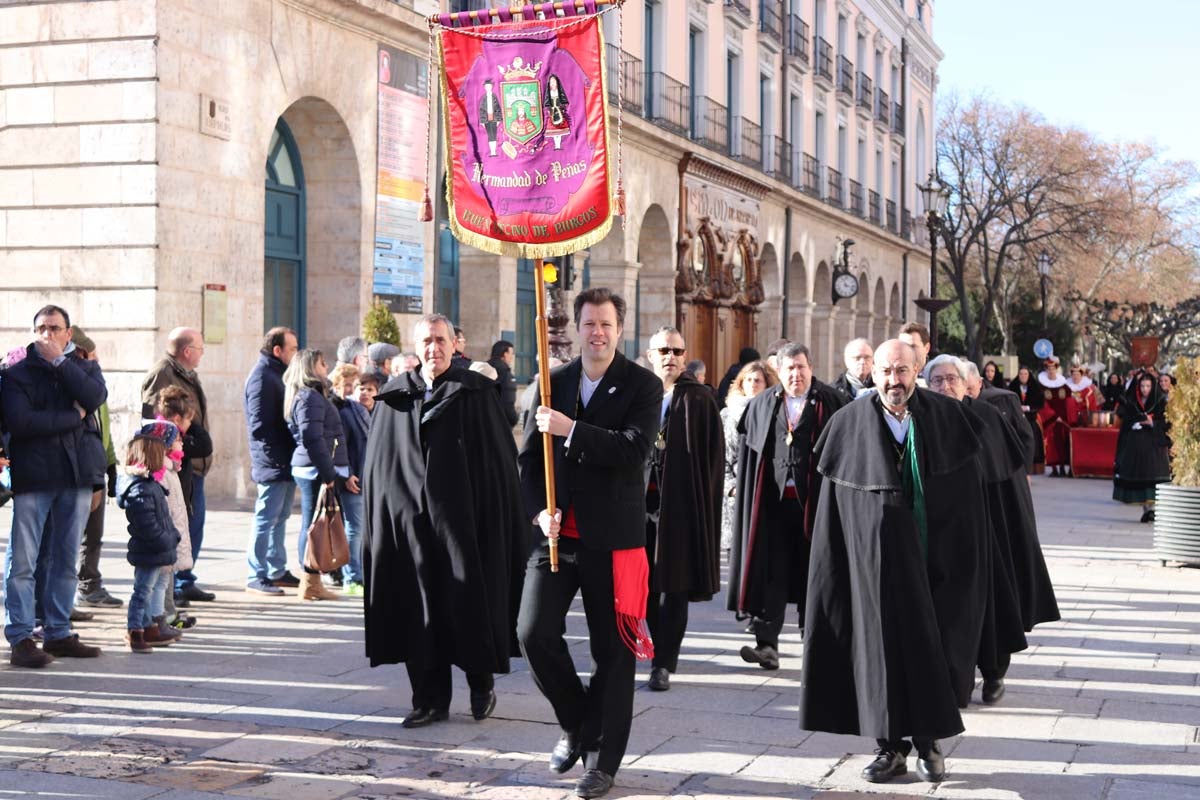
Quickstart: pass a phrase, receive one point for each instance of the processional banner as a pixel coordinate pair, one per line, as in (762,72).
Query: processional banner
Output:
(526,132)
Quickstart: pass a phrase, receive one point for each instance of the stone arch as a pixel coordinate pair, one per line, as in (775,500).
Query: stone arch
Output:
(894,312)
(655,300)
(799,302)
(822,334)
(862,308)
(882,321)
(770,314)
(333,230)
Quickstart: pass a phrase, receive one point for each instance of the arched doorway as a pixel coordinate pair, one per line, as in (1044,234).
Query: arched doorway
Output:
(822,324)
(799,306)
(894,312)
(656,278)
(770,318)
(880,331)
(284,234)
(862,309)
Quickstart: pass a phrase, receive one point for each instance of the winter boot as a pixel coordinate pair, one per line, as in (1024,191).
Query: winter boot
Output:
(152,636)
(137,642)
(311,588)
(165,630)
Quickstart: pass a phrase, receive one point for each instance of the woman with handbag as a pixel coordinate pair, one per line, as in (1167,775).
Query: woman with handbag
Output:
(320,463)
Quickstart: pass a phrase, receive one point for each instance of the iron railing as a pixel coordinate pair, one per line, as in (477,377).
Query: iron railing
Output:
(667,103)
(873,207)
(845,78)
(833,188)
(856,198)
(770,19)
(796,38)
(823,58)
(906,224)
(865,92)
(812,177)
(710,124)
(780,166)
(883,107)
(891,217)
(738,5)
(630,93)
(748,142)
(897,118)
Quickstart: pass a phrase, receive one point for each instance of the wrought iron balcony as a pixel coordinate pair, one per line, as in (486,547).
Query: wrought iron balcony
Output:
(667,103)
(873,207)
(906,224)
(883,108)
(770,19)
(845,79)
(630,93)
(812,177)
(897,119)
(892,222)
(865,94)
(796,39)
(856,198)
(737,13)
(748,143)
(823,62)
(710,124)
(780,166)
(833,188)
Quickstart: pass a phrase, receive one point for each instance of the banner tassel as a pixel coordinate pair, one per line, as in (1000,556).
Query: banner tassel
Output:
(426,208)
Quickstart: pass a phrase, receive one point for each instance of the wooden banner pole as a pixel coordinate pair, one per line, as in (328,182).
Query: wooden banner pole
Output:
(541,326)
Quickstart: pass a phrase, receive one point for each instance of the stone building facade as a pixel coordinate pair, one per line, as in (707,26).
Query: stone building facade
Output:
(152,148)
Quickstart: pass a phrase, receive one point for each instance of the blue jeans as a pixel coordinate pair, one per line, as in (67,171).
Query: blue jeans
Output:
(186,577)
(352,515)
(266,554)
(58,515)
(308,504)
(149,588)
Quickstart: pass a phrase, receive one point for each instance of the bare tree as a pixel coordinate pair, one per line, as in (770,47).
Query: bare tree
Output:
(1115,324)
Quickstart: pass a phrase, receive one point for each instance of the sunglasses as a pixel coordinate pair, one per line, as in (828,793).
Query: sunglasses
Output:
(667,351)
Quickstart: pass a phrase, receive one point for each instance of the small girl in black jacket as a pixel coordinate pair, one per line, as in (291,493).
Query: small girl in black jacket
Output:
(152,534)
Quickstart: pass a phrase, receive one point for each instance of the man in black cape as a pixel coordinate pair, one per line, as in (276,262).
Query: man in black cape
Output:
(777,490)
(1009,406)
(1001,456)
(897,583)
(445,539)
(684,479)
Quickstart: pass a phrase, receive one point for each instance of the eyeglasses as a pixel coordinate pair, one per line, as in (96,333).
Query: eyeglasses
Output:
(667,351)
(199,347)
(945,380)
(55,329)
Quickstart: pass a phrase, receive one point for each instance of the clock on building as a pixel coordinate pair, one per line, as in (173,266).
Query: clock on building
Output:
(845,286)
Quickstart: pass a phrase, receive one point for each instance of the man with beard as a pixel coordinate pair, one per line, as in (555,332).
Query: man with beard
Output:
(856,380)
(604,416)
(1057,413)
(777,492)
(683,503)
(445,538)
(897,587)
(1004,401)
(1001,456)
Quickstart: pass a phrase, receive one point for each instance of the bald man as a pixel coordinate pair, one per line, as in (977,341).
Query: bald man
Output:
(185,349)
(896,584)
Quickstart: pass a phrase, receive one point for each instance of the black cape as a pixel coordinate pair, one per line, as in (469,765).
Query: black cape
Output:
(446,538)
(760,436)
(685,554)
(1034,397)
(891,635)
(1001,455)
(1009,406)
(1142,459)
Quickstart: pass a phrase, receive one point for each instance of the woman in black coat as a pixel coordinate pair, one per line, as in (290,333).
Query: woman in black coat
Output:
(1142,446)
(1029,391)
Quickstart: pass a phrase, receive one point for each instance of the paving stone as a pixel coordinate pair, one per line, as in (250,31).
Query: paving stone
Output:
(291,786)
(1129,789)
(52,785)
(203,775)
(270,748)
(695,755)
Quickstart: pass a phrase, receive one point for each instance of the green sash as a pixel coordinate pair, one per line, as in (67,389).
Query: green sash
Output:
(914,489)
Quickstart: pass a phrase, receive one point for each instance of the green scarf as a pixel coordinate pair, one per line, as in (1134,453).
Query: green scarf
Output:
(914,489)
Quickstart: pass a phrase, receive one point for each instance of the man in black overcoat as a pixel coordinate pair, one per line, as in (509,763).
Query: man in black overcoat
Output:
(684,480)
(897,583)
(445,539)
(776,499)
(1000,456)
(1009,406)
(603,416)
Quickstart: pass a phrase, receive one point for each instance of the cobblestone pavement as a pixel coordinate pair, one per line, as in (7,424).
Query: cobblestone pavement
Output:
(269,698)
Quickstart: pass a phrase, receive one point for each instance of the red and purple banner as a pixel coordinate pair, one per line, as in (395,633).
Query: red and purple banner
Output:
(526,126)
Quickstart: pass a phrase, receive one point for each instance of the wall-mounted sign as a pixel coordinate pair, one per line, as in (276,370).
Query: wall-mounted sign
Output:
(216,313)
(215,118)
(726,208)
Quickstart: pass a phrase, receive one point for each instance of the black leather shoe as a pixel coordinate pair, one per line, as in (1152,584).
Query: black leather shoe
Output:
(765,656)
(482,705)
(660,679)
(594,783)
(993,690)
(888,764)
(931,766)
(565,753)
(195,594)
(420,717)
(181,601)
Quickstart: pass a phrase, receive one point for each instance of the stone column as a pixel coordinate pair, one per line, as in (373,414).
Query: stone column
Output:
(800,323)
(770,320)
(487,298)
(621,277)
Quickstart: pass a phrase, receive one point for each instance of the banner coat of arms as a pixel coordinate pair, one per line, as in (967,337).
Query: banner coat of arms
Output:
(525,113)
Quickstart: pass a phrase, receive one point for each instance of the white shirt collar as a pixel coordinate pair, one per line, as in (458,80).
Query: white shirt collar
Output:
(898,429)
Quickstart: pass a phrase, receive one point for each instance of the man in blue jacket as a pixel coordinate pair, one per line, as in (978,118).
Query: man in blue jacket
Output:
(271,447)
(50,403)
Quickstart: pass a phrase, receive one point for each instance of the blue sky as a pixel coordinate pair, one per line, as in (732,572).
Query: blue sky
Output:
(1122,70)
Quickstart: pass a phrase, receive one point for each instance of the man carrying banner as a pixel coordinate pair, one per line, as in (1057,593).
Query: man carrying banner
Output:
(604,417)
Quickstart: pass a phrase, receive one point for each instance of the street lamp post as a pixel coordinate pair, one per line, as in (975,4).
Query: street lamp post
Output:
(935,195)
(1044,262)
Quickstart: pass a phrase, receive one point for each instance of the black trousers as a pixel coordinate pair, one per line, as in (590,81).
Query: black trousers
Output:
(89,551)
(902,746)
(666,613)
(602,713)
(787,567)
(432,686)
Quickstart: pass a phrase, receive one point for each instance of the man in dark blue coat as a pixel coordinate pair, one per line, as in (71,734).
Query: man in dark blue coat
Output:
(271,446)
(50,402)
